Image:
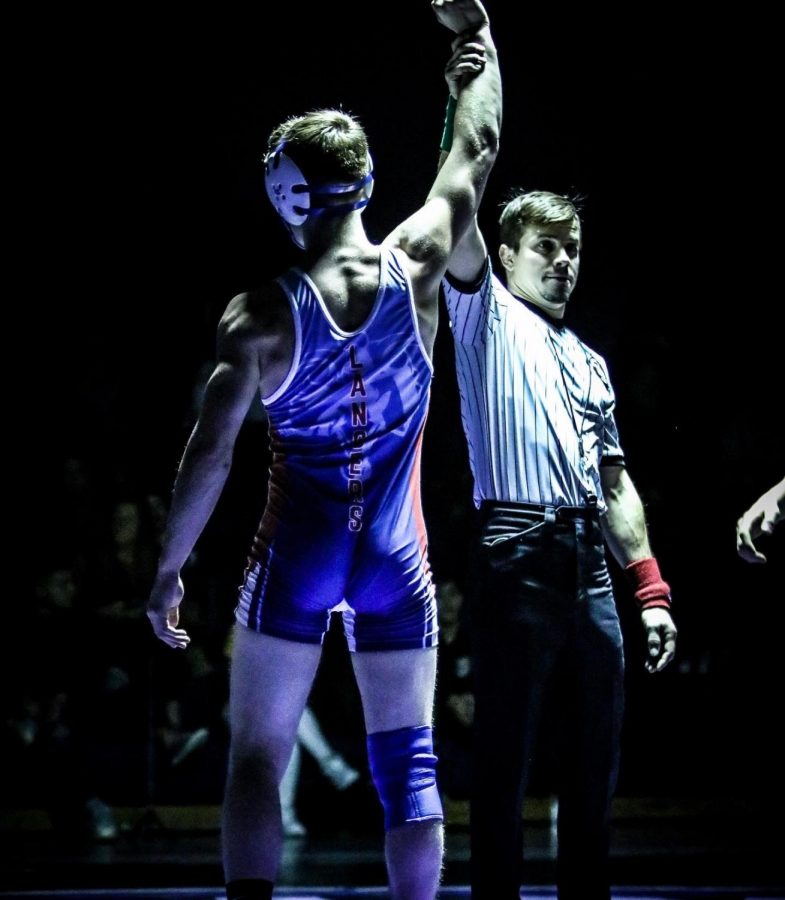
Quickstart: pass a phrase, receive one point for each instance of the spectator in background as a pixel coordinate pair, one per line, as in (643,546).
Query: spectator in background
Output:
(758,520)
(331,764)
(48,701)
(454,694)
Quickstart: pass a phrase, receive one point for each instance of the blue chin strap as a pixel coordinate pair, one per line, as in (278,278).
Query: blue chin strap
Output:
(295,200)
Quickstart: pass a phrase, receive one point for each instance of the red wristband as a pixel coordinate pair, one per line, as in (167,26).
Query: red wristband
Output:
(651,591)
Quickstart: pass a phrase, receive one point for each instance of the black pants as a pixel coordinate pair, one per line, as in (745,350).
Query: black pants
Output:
(544,614)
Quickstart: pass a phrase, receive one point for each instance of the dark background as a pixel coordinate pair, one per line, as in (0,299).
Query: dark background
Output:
(146,208)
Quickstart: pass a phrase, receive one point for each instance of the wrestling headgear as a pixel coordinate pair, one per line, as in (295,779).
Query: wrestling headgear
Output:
(294,199)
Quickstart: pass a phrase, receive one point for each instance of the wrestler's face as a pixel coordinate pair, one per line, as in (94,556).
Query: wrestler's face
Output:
(544,267)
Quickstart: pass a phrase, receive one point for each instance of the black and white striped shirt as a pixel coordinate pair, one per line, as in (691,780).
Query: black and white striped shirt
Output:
(536,402)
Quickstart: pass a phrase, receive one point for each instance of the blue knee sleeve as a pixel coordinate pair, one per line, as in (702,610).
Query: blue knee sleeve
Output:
(403,769)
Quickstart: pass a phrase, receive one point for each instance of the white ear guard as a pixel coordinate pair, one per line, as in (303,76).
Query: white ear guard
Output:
(294,199)
(286,187)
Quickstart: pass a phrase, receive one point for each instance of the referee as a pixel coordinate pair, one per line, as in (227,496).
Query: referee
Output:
(552,487)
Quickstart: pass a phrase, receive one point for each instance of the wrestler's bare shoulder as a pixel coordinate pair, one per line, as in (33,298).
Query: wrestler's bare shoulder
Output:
(261,314)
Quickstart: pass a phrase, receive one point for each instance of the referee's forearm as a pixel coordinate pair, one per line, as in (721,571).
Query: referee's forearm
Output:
(624,524)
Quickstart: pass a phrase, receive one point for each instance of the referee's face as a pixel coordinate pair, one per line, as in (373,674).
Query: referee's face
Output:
(544,267)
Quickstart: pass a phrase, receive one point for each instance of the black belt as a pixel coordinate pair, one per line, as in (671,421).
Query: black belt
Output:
(488,507)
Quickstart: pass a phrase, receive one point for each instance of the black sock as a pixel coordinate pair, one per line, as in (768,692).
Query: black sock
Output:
(249,889)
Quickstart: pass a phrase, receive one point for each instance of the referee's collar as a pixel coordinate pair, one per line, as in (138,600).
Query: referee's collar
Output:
(558,324)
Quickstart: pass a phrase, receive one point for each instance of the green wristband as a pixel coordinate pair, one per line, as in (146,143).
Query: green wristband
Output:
(449,121)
